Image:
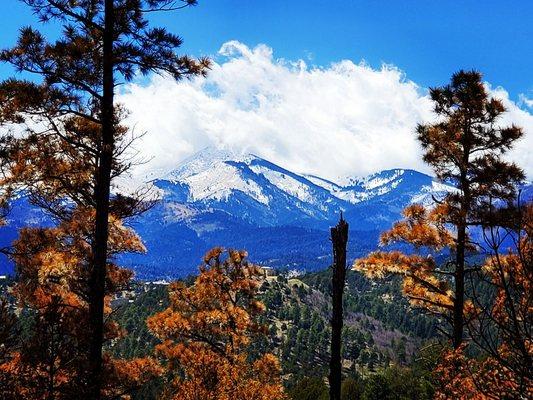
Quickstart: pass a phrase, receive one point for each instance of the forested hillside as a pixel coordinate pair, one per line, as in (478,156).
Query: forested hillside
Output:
(381,329)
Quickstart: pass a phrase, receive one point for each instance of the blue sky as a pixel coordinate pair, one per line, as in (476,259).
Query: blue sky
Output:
(259,98)
(428,40)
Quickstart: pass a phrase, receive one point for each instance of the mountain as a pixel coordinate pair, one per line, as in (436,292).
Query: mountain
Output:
(264,194)
(256,190)
(219,198)
(281,217)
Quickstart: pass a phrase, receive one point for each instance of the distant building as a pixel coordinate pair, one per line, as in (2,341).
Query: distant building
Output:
(268,271)
(161,282)
(3,277)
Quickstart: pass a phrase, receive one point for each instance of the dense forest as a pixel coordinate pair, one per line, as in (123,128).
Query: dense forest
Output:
(441,309)
(381,340)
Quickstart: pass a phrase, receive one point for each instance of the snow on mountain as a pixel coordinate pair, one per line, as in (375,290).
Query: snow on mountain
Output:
(220,198)
(248,186)
(399,182)
(328,185)
(381,179)
(257,191)
(212,175)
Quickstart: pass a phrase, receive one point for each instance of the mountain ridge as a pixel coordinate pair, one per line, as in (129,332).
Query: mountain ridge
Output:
(222,198)
(213,177)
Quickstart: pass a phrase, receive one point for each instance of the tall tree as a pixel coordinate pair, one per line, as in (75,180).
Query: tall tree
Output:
(425,284)
(503,328)
(208,329)
(339,239)
(465,148)
(53,263)
(103,43)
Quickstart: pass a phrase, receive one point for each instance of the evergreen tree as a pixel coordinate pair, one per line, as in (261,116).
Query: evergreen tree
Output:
(207,330)
(503,324)
(53,264)
(103,42)
(465,148)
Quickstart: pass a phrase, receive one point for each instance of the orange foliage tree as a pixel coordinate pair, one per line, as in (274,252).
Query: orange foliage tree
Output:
(464,147)
(51,289)
(206,332)
(423,282)
(503,327)
(56,170)
(101,44)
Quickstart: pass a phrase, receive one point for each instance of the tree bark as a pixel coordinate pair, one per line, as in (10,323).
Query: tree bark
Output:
(459,274)
(102,196)
(339,238)
(458,304)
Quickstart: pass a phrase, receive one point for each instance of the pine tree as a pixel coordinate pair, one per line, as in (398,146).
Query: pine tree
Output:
(503,327)
(53,267)
(103,43)
(465,148)
(207,330)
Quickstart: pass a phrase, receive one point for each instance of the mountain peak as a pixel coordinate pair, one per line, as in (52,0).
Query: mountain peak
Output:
(235,181)
(208,157)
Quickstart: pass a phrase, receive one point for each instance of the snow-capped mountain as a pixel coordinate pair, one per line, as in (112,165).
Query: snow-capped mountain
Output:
(266,194)
(218,198)
(248,186)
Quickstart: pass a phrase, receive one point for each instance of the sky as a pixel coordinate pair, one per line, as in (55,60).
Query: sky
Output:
(301,82)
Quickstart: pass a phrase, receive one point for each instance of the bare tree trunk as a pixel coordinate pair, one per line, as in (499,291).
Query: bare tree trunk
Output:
(339,238)
(102,194)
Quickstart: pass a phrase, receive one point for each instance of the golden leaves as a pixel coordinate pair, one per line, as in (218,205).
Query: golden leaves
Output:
(420,228)
(463,378)
(379,264)
(207,328)
(121,376)
(54,266)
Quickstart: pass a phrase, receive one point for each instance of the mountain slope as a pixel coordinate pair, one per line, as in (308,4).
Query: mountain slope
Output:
(258,191)
(265,194)
(218,198)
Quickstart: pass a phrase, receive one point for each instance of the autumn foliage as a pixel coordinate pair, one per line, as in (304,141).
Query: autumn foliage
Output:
(70,147)
(423,282)
(69,116)
(502,327)
(206,332)
(52,290)
(56,169)
(465,148)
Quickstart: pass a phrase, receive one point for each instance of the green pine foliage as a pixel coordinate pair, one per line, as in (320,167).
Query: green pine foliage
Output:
(380,336)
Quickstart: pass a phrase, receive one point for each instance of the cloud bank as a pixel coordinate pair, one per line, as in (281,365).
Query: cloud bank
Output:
(346,119)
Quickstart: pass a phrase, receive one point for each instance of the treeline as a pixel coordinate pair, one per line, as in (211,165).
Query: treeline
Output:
(392,383)
(297,316)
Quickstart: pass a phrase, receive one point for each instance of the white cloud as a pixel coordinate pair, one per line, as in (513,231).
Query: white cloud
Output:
(340,120)
(524,100)
(522,153)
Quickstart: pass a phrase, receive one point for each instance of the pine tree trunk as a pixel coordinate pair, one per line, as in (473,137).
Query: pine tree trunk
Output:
(458,304)
(339,238)
(102,195)
(459,275)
